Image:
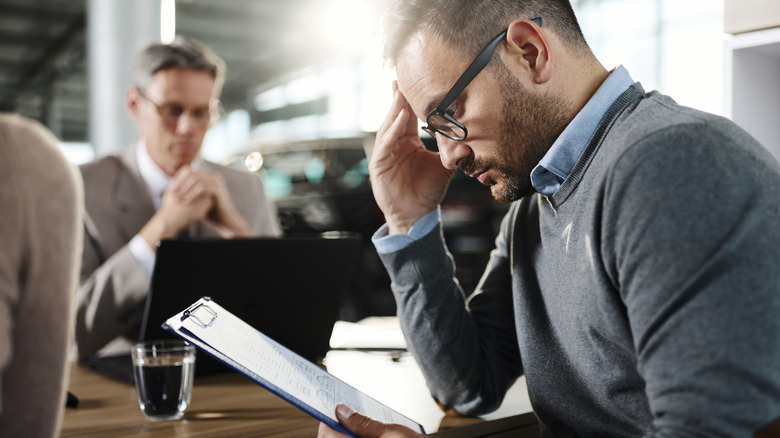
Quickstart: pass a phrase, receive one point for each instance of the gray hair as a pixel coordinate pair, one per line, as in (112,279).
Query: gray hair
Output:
(184,53)
(469,24)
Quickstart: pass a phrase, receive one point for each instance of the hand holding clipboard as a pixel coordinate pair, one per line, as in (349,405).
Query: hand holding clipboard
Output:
(213,329)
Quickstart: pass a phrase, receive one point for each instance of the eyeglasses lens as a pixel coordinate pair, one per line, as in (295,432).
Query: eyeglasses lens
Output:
(446,127)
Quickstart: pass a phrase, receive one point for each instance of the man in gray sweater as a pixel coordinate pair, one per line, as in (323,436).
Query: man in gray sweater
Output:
(636,277)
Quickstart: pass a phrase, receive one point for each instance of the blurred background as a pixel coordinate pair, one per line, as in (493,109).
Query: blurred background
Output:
(306,88)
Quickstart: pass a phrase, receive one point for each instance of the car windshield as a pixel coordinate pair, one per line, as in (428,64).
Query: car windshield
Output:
(299,172)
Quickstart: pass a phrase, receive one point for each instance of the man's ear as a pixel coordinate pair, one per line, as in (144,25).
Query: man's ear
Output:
(528,50)
(132,96)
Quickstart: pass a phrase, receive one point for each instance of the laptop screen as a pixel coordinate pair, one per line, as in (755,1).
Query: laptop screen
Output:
(289,288)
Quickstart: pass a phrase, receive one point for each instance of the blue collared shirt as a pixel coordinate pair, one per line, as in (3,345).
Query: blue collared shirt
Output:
(556,164)
(551,171)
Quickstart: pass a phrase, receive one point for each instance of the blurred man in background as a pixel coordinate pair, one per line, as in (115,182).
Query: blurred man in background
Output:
(158,188)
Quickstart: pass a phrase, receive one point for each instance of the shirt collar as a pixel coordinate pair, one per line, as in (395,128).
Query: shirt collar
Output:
(556,164)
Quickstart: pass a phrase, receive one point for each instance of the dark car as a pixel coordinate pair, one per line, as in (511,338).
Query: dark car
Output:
(323,185)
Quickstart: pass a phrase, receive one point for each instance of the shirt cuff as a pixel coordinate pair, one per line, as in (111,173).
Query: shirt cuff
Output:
(143,253)
(386,243)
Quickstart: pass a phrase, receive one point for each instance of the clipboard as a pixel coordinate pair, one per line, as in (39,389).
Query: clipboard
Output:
(219,333)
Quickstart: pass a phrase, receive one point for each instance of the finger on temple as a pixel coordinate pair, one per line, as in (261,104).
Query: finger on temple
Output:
(399,102)
(411,123)
(397,129)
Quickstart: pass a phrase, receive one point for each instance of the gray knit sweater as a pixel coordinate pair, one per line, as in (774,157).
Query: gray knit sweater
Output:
(641,299)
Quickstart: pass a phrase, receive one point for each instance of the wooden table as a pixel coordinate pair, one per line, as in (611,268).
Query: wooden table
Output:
(222,405)
(230,405)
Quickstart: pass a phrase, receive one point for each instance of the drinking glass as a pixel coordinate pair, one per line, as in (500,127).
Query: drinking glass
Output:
(163,371)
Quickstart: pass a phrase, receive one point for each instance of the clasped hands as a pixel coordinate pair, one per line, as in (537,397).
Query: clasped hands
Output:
(193,196)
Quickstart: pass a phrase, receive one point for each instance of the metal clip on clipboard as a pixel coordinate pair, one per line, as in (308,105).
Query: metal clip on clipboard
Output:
(204,317)
(288,375)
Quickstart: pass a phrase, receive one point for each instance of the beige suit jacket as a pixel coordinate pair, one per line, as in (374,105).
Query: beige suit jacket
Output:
(114,286)
(40,230)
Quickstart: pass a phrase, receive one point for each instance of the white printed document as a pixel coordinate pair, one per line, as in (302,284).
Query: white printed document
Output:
(218,332)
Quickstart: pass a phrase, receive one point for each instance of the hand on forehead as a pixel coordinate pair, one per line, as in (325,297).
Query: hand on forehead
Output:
(426,70)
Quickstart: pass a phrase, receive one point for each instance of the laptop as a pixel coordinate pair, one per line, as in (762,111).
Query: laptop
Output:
(289,288)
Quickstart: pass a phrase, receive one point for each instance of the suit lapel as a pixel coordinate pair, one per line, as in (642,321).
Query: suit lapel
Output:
(130,196)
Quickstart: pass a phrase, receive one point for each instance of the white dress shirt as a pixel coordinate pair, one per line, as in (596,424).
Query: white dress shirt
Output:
(156,182)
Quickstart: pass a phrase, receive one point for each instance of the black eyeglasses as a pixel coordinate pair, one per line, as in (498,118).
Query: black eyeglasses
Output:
(441,119)
(170,112)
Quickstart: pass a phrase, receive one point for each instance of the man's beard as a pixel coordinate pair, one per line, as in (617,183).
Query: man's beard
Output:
(530,126)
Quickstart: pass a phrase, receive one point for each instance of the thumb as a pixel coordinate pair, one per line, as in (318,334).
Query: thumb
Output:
(358,423)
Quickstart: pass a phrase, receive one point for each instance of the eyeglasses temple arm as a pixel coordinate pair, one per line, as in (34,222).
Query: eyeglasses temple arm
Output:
(471,72)
(474,68)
